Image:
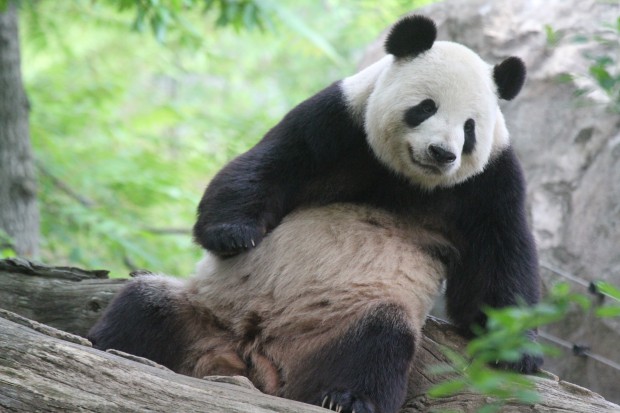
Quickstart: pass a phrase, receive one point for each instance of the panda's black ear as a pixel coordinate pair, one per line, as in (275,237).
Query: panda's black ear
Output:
(411,36)
(509,77)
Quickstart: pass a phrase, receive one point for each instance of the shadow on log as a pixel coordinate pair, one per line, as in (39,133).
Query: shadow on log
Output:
(51,368)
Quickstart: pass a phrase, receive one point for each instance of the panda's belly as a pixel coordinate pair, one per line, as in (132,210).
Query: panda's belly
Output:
(320,266)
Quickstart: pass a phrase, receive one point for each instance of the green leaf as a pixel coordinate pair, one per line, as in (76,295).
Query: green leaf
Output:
(608,311)
(580,38)
(560,289)
(609,289)
(7,253)
(447,388)
(552,35)
(602,76)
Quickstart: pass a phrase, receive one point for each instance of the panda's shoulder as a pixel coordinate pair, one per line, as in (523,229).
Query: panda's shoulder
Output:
(504,169)
(322,124)
(501,181)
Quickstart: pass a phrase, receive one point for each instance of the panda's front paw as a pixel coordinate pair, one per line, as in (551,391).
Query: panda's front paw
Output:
(528,364)
(346,402)
(227,240)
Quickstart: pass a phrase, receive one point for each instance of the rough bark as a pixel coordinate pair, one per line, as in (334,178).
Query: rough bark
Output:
(19,215)
(45,369)
(42,373)
(66,298)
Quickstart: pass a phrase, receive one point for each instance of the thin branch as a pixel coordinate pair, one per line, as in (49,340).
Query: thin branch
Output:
(168,231)
(58,183)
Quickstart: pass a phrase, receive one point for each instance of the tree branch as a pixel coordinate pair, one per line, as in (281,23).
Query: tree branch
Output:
(64,187)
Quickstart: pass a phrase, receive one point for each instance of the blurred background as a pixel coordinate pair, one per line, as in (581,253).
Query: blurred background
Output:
(135,105)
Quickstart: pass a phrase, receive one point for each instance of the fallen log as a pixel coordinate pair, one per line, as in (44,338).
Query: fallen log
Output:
(67,298)
(46,369)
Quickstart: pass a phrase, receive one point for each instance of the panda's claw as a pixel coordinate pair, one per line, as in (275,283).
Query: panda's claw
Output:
(324,401)
(348,402)
(227,240)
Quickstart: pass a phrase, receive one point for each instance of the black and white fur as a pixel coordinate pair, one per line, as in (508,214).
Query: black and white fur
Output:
(329,238)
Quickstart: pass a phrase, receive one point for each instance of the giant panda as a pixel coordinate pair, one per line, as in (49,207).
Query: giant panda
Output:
(328,241)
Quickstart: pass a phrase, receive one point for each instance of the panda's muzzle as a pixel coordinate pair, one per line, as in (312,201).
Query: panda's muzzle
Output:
(434,169)
(440,155)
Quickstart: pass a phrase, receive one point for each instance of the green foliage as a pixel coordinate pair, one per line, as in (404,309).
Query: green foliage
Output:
(162,16)
(506,341)
(605,68)
(552,36)
(129,130)
(609,309)
(6,245)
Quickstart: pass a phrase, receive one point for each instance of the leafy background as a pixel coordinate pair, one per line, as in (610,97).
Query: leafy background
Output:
(128,126)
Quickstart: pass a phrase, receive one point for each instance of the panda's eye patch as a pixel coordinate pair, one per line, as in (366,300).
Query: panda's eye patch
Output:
(417,114)
(428,106)
(470,136)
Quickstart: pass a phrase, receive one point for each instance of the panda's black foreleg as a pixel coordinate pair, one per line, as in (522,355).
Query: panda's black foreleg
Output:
(363,371)
(248,198)
(499,262)
(465,309)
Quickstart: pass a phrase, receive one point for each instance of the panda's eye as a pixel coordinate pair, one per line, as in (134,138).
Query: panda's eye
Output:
(470,136)
(470,126)
(428,106)
(417,114)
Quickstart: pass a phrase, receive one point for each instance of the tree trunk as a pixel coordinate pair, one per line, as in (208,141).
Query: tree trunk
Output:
(44,369)
(19,215)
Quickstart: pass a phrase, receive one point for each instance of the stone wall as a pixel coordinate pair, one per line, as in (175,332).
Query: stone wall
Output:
(569,147)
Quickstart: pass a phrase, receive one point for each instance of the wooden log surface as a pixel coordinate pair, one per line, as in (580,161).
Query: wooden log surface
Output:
(45,369)
(70,299)
(41,373)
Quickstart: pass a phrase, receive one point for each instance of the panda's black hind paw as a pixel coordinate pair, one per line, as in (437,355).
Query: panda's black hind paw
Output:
(528,364)
(227,240)
(346,402)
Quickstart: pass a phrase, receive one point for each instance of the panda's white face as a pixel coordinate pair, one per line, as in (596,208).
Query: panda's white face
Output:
(434,118)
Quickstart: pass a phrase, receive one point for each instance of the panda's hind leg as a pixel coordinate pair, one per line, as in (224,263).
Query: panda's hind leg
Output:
(145,319)
(364,370)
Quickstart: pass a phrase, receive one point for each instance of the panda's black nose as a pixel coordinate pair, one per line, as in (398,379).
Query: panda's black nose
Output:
(441,155)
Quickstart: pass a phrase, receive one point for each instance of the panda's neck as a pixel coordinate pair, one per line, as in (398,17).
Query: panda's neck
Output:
(357,88)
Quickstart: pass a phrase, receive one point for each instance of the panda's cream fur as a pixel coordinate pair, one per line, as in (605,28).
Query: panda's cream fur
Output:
(315,275)
(328,240)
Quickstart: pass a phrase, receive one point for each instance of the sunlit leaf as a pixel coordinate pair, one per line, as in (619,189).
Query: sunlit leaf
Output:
(7,253)
(609,289)
(608,311)
(447,388)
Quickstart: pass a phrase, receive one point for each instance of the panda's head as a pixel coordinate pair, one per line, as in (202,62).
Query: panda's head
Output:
(432,113)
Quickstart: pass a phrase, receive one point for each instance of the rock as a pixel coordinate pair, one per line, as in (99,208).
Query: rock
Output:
(569,147)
